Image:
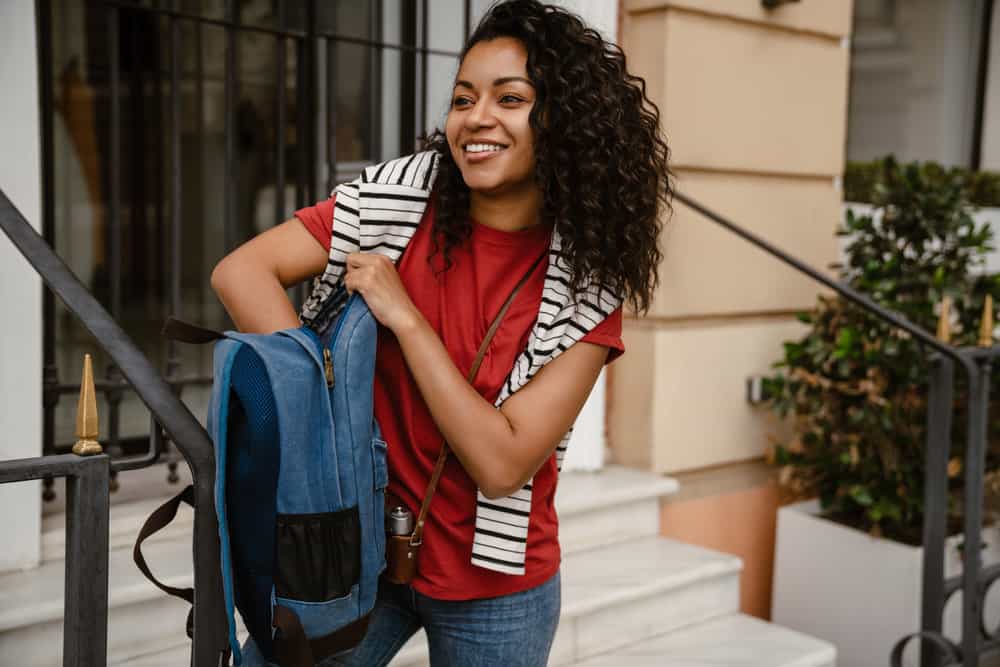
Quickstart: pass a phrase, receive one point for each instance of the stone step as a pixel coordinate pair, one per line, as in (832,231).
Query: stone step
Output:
(736,640)
(613,596)
(616,504)
(624,593)
(595,509)
(31,604)
(124,523)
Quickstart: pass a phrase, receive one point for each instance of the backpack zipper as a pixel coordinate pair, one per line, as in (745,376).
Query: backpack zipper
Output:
(328,367)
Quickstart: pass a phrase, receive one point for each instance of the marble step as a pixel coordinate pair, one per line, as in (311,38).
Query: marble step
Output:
(124,523)
(735,641)
(612,597)
(731,641)
(602,508)
(595,508)
(31,604)
(624,593)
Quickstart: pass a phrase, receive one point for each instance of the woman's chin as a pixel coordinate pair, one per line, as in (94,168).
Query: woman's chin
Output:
(495,184)
(483,183)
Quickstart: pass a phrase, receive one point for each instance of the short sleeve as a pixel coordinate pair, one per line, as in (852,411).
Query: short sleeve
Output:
(609,334)
(318,220)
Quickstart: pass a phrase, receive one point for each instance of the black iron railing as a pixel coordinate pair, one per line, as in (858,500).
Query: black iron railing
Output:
(977,640)
(86,596)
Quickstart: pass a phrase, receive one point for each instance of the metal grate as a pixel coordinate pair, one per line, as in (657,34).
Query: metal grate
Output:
(194,126)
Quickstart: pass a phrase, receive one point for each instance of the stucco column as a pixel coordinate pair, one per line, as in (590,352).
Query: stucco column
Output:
(20,287)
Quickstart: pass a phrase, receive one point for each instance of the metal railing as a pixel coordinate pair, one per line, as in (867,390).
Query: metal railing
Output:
(977,640)
(86,596)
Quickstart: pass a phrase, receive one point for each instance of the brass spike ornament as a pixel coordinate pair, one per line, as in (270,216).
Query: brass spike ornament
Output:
(986,326)
(944,321)
(86,414)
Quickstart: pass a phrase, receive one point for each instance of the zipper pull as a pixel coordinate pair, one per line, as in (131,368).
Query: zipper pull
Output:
(328,367)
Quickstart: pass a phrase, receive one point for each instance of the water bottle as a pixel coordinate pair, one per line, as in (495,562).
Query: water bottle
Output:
(400,521)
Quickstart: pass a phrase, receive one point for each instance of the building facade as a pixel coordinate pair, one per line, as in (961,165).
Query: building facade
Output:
(149,140)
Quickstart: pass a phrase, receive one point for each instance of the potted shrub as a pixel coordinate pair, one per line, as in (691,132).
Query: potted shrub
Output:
(848,562)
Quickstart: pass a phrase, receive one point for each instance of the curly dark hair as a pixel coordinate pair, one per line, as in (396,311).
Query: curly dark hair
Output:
(601,161)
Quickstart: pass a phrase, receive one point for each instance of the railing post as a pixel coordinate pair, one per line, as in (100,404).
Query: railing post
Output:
(936,501)
(979,393)
(85,621)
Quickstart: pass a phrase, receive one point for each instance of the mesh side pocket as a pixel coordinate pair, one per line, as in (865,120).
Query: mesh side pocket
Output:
(318,555)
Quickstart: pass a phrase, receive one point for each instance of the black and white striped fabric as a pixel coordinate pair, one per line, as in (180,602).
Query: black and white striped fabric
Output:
(379,212)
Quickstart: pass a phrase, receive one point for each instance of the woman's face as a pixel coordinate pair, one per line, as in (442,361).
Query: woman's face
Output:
(488,131)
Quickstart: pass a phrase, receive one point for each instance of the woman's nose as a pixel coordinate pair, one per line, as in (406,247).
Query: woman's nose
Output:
(480,115)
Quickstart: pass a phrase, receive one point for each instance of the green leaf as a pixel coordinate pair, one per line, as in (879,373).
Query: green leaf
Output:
(860,495)
(939,276)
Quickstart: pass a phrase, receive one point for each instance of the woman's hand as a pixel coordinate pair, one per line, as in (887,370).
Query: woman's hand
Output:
(376,279)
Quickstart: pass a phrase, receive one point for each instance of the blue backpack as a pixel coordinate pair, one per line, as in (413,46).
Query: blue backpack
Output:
(300,481)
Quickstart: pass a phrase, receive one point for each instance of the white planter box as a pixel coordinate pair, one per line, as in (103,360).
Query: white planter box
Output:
(859,592)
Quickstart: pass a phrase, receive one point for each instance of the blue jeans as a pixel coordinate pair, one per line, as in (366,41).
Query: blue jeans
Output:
(513,630)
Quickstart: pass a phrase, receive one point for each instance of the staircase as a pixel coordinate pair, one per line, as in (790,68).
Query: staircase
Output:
(629,597)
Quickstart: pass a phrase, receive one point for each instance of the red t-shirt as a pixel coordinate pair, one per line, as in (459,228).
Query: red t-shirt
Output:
(460,305)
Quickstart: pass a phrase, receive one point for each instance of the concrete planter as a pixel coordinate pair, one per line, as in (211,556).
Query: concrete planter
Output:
(859,592)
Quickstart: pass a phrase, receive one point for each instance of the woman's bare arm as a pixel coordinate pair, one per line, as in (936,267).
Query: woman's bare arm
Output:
(251,280)
(501,449)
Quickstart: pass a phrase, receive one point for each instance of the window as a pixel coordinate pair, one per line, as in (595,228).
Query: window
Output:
(177,129)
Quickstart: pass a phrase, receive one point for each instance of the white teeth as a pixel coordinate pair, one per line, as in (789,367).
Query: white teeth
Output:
(482,148)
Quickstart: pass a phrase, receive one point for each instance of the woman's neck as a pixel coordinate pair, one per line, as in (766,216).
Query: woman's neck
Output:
(511,212)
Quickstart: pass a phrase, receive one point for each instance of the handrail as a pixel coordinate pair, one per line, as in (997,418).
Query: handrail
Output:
(976,362)
(190,438)
(844,290)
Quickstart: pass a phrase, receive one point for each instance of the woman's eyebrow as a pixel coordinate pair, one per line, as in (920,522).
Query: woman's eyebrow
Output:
(461,83)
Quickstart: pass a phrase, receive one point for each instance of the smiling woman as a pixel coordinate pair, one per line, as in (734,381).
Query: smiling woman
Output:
(543,193)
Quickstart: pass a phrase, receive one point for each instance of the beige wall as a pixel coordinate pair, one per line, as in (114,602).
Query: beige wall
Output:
(754,106)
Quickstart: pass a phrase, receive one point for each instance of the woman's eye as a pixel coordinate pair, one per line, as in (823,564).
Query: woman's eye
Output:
(461,102)
(510,99)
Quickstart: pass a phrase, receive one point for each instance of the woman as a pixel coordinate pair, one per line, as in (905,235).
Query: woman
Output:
(550,151)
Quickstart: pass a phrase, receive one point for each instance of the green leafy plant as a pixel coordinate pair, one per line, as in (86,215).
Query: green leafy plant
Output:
(981,187)
(854,387)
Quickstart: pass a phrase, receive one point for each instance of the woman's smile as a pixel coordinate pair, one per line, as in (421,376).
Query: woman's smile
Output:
(480,151)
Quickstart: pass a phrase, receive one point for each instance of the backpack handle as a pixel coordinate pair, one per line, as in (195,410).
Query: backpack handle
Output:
(157,521)
(185,332)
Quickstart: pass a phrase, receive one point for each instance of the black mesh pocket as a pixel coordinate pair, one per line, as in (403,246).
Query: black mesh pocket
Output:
(319,555)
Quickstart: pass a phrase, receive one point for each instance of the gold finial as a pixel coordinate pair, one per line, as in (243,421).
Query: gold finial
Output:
(86,414)
(944,321)
(986,326)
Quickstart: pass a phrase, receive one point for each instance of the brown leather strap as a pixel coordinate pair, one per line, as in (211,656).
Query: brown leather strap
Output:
(158,520)
(418,531)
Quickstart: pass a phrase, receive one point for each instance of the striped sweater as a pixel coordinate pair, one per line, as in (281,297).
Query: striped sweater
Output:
(379,213)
